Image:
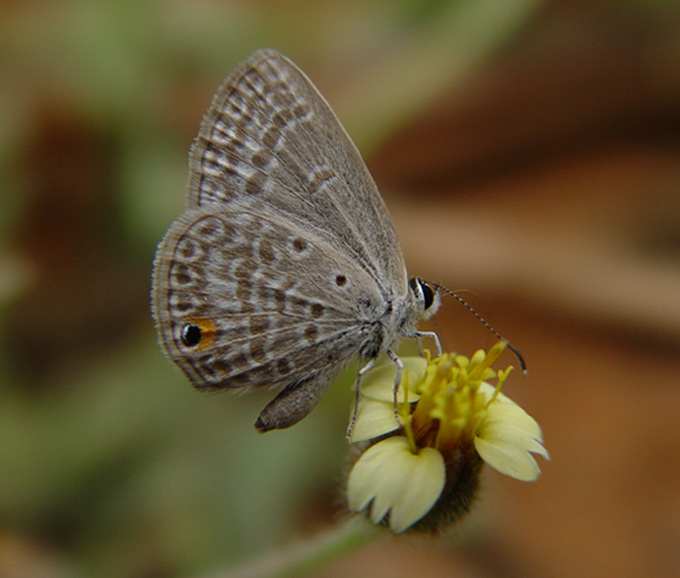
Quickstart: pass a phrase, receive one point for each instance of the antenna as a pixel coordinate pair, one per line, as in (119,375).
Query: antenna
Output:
(486,324)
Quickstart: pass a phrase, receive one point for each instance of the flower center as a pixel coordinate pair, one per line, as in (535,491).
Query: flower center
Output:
(451,409)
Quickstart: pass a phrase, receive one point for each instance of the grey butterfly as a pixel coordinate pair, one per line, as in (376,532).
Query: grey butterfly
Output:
(284,265)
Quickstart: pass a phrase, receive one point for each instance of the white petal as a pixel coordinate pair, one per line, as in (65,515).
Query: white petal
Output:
(378,383)
(506,409)
(513,414)
(511,434)
(367,473)
(374,419)
(399,482)
(421,491)
(508,459)
(507,439)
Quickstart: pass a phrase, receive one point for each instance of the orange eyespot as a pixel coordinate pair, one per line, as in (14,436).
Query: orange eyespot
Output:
(198,333)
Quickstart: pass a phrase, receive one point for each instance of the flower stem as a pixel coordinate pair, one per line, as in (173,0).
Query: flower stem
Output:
(298,560)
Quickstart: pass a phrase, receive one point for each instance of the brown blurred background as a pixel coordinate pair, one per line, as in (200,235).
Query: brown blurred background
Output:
(528,152)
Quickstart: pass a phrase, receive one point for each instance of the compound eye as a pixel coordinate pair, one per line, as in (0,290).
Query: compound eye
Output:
(419,287)
(428,295)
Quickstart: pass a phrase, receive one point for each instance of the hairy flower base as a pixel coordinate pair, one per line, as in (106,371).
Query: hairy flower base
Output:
(423,473)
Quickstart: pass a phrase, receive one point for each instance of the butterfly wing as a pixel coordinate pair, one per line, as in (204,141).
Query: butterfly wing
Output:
(269,304)
(270,141)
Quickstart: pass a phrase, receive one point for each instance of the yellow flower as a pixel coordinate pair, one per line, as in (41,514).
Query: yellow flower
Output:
(423,471)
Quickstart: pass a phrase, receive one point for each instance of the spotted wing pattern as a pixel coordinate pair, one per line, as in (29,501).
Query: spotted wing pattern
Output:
(270,139)
(273,303)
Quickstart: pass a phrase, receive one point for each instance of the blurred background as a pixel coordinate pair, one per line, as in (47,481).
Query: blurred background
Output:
(529,152)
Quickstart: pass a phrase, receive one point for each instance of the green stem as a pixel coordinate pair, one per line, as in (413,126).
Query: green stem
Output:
(298,560)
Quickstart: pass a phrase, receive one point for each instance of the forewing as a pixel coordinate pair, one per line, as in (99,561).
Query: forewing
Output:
(271,141)
(273,303)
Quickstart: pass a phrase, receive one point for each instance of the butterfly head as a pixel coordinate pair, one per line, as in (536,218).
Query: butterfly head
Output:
(426,297)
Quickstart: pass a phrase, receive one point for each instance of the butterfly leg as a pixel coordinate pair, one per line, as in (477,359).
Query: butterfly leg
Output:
(357,394)
(397,382)
(432,335)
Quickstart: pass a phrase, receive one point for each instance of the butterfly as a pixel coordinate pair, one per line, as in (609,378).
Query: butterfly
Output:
(284,265)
